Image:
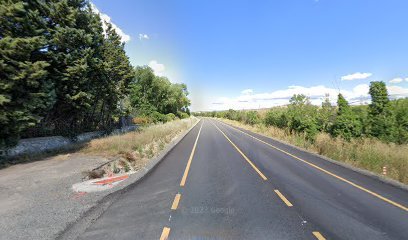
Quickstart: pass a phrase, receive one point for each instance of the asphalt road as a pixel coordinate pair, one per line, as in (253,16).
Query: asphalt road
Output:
(221,182)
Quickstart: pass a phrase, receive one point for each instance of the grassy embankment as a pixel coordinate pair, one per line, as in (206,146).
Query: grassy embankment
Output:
(364,153)
(131,151)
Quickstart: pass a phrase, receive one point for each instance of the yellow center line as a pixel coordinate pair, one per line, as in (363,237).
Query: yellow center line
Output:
(183,180)
(243,155)
(176,201)
(327,172)
(319,236)
(284,199)
(165,233)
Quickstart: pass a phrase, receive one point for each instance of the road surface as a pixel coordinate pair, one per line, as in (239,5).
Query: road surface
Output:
(221,182)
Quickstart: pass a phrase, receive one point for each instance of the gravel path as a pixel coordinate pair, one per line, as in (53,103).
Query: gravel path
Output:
(36,199)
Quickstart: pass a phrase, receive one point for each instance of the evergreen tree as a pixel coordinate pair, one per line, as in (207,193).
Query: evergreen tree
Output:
(26,92)
(116,74)
(75,59)
(61,71)
(380,117)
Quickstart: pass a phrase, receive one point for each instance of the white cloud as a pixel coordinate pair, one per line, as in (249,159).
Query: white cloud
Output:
(158,68)
(406,79)
(281,97)
(355,76)
(357,95)
(247,91)
(396,80)
(106,19)
(143,36)
(397,91)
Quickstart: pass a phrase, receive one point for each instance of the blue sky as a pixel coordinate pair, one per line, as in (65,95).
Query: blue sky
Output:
(249,54)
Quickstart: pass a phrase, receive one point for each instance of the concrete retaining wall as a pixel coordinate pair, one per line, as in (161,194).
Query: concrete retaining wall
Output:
(44,144)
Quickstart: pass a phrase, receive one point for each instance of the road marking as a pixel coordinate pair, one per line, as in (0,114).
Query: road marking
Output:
(327,172)
(284,199)
(319,236)
(183,180)
(176,201)
(243,155)
(165,233)
(110,180)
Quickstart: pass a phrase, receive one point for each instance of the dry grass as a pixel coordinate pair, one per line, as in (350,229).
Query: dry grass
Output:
(131,151)
(369,154)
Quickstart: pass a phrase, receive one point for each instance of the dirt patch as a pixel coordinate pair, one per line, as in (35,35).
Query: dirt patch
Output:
(36,198)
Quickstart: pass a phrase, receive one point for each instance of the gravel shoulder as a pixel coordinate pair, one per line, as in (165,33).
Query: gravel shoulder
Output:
(36,199)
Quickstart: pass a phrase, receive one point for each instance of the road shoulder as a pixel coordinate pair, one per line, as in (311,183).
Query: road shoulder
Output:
(37,198)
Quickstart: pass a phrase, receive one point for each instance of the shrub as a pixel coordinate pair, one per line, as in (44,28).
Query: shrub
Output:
(306,125)
(347,127)
(182,115)
(158,117)
(276,117)
(252,118)
(170,117)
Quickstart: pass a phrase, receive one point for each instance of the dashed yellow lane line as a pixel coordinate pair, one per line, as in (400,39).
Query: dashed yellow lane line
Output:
(165,233)
(284,199)
(176,201)
(243,155)
(327,172)
(319,236)
(184,179)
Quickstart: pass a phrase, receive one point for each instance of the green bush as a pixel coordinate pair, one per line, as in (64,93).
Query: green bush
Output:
(182,115)
(276,117)
(170,117)
(158,117)
(347,127)
(252,117)
(304,124)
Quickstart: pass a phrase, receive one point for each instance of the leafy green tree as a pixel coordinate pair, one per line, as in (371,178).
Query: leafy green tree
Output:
(381,122)
(141,90)
(302,116)
(326,115)
(400,109)
(26,92)
(153,95)
(346,124)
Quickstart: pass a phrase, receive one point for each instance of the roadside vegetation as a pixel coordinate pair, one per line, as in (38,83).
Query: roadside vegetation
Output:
(369,137)
(63,73)
(131,151)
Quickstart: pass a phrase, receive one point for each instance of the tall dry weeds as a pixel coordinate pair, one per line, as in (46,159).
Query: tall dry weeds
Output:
(132,150)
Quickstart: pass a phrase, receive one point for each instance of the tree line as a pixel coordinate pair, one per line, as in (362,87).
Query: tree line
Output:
(383,119)
(62,73)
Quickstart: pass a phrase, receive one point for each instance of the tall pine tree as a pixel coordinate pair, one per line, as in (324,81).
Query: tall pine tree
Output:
(116,74)
(74,58)
(26,92)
